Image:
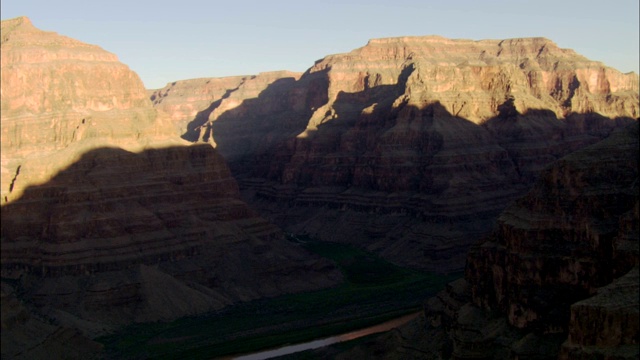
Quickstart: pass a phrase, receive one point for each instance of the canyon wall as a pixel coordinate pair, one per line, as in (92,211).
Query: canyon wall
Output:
(557,279)
(108,216)
(61,97)
(569,237)
(434,136)
(575,231)
(409,147)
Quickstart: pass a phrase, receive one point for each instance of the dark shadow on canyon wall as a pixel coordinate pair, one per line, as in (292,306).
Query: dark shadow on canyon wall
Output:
(259,137)
(198,128)
(373,141)
(434,182)
(553,137)
(118,237)
(582,213)
(138,234)
(111,200)
(279,112)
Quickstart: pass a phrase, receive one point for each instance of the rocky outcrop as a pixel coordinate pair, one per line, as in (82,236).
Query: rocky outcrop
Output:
(61,97)
(435,136)
(175,211)
(108,217)
(558,278)
(25,335)
(562,241)
(245,115)
(606,325)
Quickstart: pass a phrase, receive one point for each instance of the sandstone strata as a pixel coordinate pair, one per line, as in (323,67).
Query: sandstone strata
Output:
(557,279)
(108,217)
(251,113)
(61,97)
(435,136)
(27,335)
(607,325)
(120,237)
(570,233)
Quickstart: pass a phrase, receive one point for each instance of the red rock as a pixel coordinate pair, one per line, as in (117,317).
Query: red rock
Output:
(559,243)
(558,278)
(62,97)
(108,217)
(435,136)
(606,325)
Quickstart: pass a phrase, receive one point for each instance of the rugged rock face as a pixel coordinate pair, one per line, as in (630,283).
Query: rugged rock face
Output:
(204,100)
(27,335)
(160,234)
(251,113)
(557,279)
(108,217)
(471,78)
(435,136)
(574,233)
(607,325)
(61,97)
(567,237)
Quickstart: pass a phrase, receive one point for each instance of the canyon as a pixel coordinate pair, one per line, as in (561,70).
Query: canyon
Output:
(557,279)
(513,160)
(408,147)
(108,217)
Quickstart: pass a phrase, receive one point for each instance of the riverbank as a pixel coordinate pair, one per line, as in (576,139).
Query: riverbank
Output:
(374,291)
(315,344)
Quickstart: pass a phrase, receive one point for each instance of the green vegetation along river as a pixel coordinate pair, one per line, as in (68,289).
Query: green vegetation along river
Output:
(374,291)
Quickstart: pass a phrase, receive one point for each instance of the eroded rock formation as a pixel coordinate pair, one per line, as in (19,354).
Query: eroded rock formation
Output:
(606,325)
(160,234)
(571,233)
(61,97)
(557,279)
(252,113)
(108,217)
(434,136)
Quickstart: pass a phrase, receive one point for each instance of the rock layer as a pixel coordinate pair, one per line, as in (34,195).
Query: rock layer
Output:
(120,237)
(435,136)
(563,240)
(472,78)
(108,217)
(25,335)
(251,113)
(606,325)
(61,97)
(114,209)
(557,279)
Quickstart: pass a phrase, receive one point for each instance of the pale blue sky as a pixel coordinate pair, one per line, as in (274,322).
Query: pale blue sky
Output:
(165,41)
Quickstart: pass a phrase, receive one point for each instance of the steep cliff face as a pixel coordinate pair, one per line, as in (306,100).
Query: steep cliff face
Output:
(574,232)
(548,270)
(437,117)
(472,78)
(558,278)
(435,136)
(152,236)
(570,234)
(244,116)
(61,97)
(108,217)
(607,325)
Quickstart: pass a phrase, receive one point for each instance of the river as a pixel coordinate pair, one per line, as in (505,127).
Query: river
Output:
(290,349)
